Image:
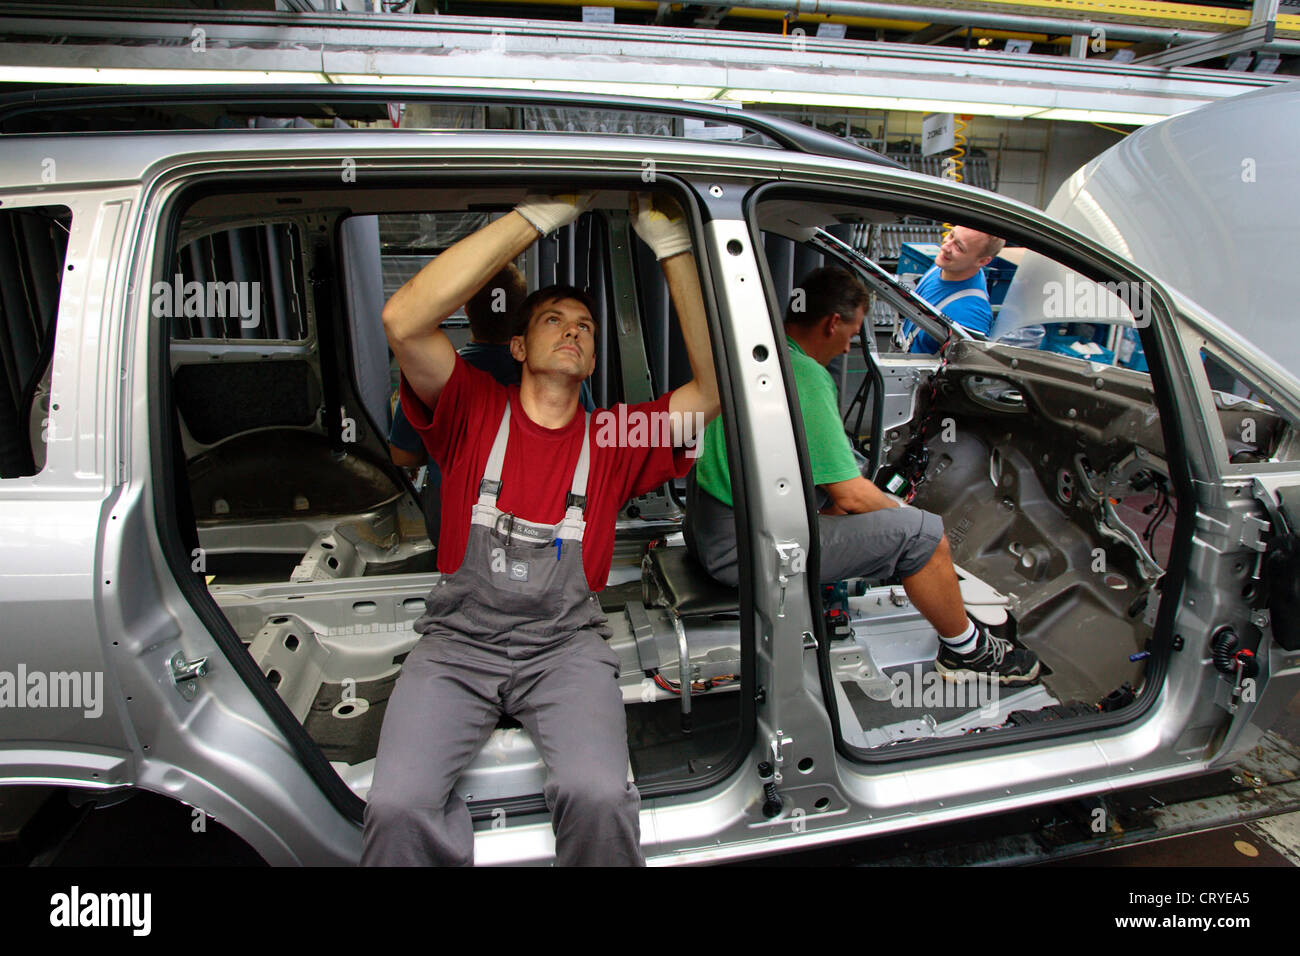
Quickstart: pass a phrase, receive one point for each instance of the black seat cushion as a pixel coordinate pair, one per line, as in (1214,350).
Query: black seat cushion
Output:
(687,586)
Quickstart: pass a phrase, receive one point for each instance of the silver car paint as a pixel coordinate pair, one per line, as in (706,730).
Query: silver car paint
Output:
(90,517)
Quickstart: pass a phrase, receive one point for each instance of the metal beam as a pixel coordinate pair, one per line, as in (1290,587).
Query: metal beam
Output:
(934,33)
(1238,41)
(23,17)
(1263,11)
(1061,23)
(593,58)
(711,16)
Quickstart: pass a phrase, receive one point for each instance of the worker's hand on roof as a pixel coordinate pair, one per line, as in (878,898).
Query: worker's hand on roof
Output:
(548,213)
(660,223)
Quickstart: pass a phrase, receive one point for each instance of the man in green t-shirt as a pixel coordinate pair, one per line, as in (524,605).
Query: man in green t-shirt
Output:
(864,533)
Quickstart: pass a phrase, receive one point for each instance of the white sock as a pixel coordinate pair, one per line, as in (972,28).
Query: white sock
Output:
(965,642)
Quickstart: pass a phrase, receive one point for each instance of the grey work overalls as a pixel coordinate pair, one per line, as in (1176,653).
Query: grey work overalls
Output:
(517,630)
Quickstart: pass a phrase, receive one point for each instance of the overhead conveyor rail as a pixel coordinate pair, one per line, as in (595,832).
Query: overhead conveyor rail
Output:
(685,65)
(1149,20)
(84,101)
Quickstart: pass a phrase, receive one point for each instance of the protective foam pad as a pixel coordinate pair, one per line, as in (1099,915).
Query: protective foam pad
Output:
(349,734)
(983,603)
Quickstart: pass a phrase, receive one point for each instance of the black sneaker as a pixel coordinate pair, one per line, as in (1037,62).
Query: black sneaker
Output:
(993,657)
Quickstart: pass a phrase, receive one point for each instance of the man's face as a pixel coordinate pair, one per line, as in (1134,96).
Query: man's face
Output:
(845,331)
(962,250)
(561,338)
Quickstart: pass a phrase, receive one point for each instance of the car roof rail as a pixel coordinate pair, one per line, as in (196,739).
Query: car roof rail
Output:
(80,102)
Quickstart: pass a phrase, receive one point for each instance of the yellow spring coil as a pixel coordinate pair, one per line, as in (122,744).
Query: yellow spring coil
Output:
(953,165)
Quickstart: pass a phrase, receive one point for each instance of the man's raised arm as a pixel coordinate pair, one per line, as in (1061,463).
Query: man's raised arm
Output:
(413,316)
(662,226)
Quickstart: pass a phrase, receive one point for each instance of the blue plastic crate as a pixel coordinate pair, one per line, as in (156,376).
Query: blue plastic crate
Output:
(916,258)
(1077,340)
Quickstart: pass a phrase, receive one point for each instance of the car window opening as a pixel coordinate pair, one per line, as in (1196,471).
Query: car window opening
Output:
(1033,434)
(317,516)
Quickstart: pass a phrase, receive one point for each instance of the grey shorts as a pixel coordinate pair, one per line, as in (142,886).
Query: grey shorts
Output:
(877,545)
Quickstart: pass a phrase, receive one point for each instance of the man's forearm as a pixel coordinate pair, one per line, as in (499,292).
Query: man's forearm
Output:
(684,288)
(859,496)
(448,281)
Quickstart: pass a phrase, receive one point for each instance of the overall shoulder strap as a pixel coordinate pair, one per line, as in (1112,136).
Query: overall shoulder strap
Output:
(578,491)
(490,486)
(963,294)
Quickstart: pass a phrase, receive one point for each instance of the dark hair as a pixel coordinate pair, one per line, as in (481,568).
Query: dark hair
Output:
(551,293)
(826,291)
(491,325)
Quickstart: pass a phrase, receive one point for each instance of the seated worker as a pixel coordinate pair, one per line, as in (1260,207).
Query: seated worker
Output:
(529,508)
(491,313)
(955,285)
(865,534)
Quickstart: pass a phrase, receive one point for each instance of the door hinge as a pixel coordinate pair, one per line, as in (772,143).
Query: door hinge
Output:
(184,673)
(791,560)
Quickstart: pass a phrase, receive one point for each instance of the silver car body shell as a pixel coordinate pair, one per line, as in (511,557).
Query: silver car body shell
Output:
(84,583)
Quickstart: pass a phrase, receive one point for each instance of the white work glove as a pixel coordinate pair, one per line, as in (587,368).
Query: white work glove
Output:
(548,213)
(661,224)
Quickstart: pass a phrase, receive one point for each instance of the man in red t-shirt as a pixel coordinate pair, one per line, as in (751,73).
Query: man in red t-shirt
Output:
(530,497)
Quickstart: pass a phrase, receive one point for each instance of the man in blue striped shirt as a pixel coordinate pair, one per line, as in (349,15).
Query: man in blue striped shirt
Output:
(955,285)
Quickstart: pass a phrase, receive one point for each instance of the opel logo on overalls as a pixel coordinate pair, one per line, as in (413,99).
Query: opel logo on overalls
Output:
(518,570)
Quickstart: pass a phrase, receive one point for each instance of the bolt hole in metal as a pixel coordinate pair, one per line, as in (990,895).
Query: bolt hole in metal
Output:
(273,677)
(781,486)
(735,247)
(822,803)
(352,707)
(1116,582)
(291,642)
(806,765)
(760,353)
(715,191)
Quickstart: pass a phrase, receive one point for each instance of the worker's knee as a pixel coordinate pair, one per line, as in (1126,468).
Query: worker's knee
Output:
(594,795)
(924,545)
(405,830)
(388,814)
